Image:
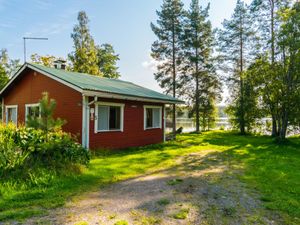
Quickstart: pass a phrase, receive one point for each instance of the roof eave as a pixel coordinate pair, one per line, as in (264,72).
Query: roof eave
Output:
(129,97)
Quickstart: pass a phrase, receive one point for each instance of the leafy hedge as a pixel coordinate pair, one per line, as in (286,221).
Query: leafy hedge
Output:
(24,147)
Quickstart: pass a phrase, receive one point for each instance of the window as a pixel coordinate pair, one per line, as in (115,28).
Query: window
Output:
(11,114)
(109,117)
(152,117)
(32,110)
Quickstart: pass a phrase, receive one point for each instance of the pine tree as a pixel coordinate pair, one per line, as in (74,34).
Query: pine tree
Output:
(235,41)
(198,40)
(84,59)
(45,122)
(167,50)
(107,60)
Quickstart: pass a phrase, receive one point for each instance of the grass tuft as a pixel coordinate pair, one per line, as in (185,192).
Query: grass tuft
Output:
(182,214)
(121,222)
(163,202)
(174,181)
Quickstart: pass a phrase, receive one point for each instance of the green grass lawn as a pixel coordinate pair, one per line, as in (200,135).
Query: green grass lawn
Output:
(272,170)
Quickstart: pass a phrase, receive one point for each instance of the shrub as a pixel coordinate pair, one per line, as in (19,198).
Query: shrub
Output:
(24,147)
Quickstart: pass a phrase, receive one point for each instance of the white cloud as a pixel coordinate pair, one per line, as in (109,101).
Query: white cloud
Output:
(151,64)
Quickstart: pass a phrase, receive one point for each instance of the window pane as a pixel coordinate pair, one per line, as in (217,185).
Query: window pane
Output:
(103,117)
(149,118)
(114,118)
(156,117)
(12,115)
(33,111)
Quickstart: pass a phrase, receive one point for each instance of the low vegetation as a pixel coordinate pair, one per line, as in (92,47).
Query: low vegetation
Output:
(266,167)
(181,214)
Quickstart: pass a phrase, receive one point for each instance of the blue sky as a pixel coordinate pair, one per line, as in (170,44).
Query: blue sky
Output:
(123,23)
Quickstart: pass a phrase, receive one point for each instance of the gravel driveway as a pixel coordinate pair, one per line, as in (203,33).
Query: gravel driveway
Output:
(201,189)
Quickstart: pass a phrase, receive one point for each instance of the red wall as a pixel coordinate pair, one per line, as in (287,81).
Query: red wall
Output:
(133,133)
(28,90)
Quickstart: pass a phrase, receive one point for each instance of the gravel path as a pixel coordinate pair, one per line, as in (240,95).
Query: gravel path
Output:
(201,189)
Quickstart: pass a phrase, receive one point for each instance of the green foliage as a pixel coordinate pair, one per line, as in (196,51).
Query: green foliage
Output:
(121,222)
(236,46)
(84,58)
(10,66)
(47,60)
(167,49)
(82,223)
(163,202)
(16,145)
(277,81)
(182,214)
(243,109)
(107,60)
(21,147)
(201,85)
(174,181)
(45,121)
(3,77)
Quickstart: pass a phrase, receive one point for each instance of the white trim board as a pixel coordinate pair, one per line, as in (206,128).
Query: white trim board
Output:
(11,107)
(121,105)
(145,116)
(85,122)
(31,105)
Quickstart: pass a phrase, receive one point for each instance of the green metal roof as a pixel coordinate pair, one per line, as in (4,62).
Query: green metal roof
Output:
(89,82)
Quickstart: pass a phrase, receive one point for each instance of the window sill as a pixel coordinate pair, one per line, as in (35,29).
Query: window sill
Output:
(152,128)
(108,131)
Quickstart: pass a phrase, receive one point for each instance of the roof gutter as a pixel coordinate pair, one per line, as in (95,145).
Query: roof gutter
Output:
(131,98)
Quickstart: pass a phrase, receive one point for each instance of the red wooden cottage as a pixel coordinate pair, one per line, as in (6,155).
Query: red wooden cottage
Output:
(103,113)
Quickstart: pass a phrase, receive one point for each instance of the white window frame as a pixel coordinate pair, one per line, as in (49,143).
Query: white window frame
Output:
(109,104)
(31,105)
(6,112)
(145,116)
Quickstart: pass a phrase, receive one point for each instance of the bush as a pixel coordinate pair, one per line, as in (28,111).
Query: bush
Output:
(23,147)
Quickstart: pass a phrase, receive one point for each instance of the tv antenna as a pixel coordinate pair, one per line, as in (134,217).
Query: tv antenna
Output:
(31,38)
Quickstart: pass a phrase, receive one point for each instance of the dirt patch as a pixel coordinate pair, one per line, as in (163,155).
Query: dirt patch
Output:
(201,189)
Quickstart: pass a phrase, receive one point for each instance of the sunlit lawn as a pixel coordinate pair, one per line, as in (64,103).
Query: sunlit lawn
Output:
(272,170)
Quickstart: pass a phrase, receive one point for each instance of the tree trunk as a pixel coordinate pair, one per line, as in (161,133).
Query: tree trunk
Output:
(174,82)
(272,32)
(274,127)
(283,127)
(242,111)
(274,123)
(197,98)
